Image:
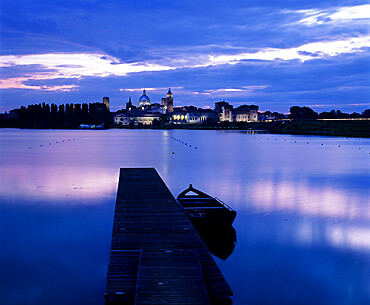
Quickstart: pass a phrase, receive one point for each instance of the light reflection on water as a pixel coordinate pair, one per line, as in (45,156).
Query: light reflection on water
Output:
(302,225)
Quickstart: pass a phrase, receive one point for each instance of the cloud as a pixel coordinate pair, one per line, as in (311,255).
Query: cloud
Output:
(73,65)
(305,52)
(341,14)
(79,65)
(148,89)
(20,83)
(229,92)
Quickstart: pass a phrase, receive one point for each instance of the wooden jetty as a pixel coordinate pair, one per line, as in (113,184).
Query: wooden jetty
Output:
(156,255)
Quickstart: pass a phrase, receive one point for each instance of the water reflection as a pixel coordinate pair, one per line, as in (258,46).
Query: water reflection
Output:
(297,196)
(57,183)
(303,211)
(220,240)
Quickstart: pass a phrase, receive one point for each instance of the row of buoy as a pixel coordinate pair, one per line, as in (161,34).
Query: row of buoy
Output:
(182,142)
(56,142)
(322,144)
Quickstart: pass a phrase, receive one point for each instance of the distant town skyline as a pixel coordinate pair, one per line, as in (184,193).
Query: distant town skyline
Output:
(274,54)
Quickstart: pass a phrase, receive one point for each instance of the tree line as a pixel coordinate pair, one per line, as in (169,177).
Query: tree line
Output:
(53,116)
(306,113)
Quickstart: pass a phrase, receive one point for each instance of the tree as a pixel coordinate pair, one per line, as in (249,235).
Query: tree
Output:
(164,119)
(61,116)
(156,123)
(85,113)
(77,115)
(210,122)
(45,115)
(23,117)
(299,113)
(53,115)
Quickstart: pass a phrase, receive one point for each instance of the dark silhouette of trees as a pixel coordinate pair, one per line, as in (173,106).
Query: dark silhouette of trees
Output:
(85,113)
(53,116)
(45,115)
(99,114)
(77,115)
(61,116)
(64,116)
(156,123)
(23,117)
(299,113)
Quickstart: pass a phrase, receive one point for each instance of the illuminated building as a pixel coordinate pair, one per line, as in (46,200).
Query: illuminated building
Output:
(167,102)
(144,100)
(106,101)
(134,118)
(225,111)
(244,113)
(184,116)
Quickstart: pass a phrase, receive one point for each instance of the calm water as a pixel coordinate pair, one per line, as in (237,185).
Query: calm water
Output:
(303,207)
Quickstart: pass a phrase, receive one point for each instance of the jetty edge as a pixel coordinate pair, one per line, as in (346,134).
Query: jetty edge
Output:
(156,255)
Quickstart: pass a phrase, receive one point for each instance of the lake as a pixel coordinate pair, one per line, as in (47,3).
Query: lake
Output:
(303,203)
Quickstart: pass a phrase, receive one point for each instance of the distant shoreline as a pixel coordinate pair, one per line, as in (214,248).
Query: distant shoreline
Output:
(298,127)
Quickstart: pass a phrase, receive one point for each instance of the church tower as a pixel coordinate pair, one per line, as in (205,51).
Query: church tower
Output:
(106,102)
(167,102)
(129,105)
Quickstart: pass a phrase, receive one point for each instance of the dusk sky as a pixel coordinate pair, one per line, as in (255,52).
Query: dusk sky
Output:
(275,54)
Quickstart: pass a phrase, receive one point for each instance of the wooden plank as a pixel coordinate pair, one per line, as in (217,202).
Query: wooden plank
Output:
(170,277)
(154,242)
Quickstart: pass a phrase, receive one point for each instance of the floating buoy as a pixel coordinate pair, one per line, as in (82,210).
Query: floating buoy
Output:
(338,145)
(173,152)
(40,145)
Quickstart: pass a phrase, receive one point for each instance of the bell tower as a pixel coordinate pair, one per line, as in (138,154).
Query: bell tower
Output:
(169,100)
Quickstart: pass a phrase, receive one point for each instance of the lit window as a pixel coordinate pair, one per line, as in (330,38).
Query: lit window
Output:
(182,117)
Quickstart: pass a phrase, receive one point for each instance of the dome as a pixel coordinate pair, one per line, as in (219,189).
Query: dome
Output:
(144,100)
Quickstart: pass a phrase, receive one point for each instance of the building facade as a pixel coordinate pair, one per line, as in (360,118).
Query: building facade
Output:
(136,118)
(244,113)
(197,116)
(225,111)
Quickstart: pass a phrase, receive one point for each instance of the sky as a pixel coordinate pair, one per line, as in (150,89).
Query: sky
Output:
(274,54)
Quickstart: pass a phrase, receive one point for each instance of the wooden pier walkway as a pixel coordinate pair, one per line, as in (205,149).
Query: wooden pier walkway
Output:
(156,256)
